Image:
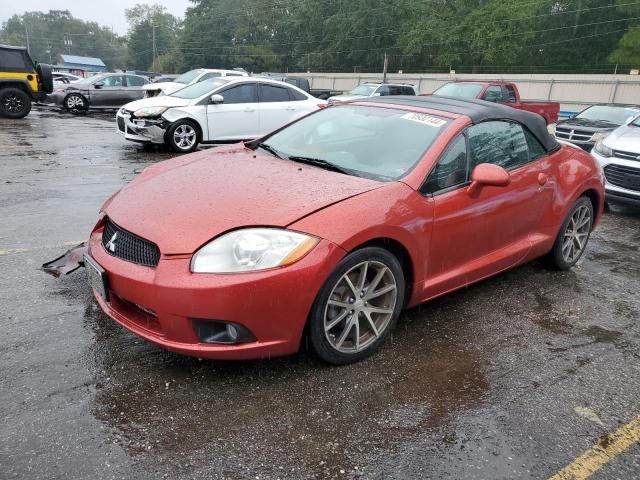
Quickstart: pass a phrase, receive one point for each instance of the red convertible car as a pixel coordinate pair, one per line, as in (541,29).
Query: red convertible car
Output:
(332,225)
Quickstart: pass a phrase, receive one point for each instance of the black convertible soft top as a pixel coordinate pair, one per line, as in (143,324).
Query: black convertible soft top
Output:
(478,111)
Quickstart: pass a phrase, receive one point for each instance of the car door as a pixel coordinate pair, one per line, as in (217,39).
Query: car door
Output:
(493,93)
(276,107)
(237,117)
(109,92)
(133,89)
(476,236)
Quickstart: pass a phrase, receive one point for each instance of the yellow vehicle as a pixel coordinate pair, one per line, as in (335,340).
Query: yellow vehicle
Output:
(21,81)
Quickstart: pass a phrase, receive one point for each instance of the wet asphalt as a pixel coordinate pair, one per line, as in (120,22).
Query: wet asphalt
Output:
(513,377)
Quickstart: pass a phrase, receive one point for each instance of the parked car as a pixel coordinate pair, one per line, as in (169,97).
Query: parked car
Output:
(106,90)
(164,78)
(21,81)
(594,123)
(189,78)
(303,84)
(505,93)
(375,90)
(62,77)
(216,110)
(333,224)
(619,156)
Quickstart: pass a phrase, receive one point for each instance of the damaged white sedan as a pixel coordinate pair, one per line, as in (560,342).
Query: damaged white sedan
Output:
(214,111)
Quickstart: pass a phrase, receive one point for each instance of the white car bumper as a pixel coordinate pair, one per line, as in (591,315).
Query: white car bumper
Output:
(622,178)
(140,130)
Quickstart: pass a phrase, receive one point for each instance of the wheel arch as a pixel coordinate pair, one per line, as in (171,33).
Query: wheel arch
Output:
(595,199)
(192,120)
(20,84)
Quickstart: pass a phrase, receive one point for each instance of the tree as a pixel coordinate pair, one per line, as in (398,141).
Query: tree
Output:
(146,23)
(628,51)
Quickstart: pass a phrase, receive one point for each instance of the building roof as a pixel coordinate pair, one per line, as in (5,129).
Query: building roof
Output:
(478,111)
(75,59)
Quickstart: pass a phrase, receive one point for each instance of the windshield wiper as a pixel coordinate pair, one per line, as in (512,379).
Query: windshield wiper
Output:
(268,148)
(318,162)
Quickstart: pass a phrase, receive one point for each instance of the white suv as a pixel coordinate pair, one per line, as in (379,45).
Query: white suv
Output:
(214,111)
(619,156)
(375,90)
(189,78)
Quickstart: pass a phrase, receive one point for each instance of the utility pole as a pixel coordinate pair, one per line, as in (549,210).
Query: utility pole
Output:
(153,50)
(384,68)
(26,33)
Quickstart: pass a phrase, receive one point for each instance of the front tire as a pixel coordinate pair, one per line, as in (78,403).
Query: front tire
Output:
(14,103)
(183,136)
(75,103)
(357,307)
(573,237)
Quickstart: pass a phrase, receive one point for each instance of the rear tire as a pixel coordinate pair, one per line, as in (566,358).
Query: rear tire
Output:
(357,307)
(183,136)
(14,103)
(574,235)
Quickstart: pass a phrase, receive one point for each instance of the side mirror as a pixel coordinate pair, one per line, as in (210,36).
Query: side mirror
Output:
(216,99)
(98,85)
(487,175)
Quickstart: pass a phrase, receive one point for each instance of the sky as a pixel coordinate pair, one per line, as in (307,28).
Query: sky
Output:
(105,12)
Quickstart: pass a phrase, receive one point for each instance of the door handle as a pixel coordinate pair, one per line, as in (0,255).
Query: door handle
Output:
(291,108)
(542,178)
(249,109)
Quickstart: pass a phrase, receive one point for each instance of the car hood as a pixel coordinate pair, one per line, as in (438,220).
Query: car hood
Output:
(161,101)
(344,98)
(183,203)
(165,87)
(587,123)
(625,138)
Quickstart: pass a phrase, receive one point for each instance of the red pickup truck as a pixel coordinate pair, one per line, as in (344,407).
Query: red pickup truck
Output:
(499,92)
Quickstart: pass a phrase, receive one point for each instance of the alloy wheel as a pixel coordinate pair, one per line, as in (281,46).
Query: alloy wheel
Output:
(184,136)
(360,306)
(75,102)
(576,235)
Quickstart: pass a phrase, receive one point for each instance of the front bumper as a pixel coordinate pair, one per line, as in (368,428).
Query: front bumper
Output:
(160,304)
(622,178)
(141,130)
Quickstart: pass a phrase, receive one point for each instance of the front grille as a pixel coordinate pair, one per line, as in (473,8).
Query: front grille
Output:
(127,246)
(121,124)
(573,134)
(625,177)
(626,155)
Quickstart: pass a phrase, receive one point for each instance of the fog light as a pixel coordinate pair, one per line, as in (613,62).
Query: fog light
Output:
(216,331)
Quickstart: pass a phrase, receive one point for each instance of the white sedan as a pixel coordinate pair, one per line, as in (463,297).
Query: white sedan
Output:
(215,111)
(189,78)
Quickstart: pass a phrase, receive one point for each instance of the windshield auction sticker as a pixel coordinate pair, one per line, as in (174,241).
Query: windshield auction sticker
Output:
(423,118)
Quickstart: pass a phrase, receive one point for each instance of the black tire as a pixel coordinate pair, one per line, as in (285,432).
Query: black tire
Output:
(320,341)
(557,259)
(189,127)
(75,102)
(46,77)
(14,103)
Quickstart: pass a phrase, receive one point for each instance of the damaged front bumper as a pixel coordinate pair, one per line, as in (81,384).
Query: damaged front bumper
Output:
(68,262)
(145,130)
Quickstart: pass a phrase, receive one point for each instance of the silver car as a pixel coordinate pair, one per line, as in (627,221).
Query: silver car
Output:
(106,90)
(375,90)
(619,156)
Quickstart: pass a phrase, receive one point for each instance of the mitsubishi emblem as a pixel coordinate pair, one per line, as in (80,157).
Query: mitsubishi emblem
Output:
(111,244)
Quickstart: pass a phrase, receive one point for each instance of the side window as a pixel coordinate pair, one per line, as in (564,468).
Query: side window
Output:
(271,93)
(135,81)
(493,94)
(296,96)
(209,75)
(407,91)
(509,93)
(451,169)
(229,74)
(245,93)
(383,90)
(114,81)
(394,90)
(536,150)
(500,143)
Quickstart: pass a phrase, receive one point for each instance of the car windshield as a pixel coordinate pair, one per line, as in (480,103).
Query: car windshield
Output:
(462,90)
(94,79)
(188,77)
(199,89)
(364,90)
(371,142)
(614,114)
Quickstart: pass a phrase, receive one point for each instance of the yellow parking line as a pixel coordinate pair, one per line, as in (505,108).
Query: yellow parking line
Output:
(12,251)
(603,452)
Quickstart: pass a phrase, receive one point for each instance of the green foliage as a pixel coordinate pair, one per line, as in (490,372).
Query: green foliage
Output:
(57,32)
(145,22)
(628,51)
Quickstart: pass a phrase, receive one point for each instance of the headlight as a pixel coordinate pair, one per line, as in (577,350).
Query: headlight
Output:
(252,249)
(603,150)
(598,137)
(150,111)
(551,128)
